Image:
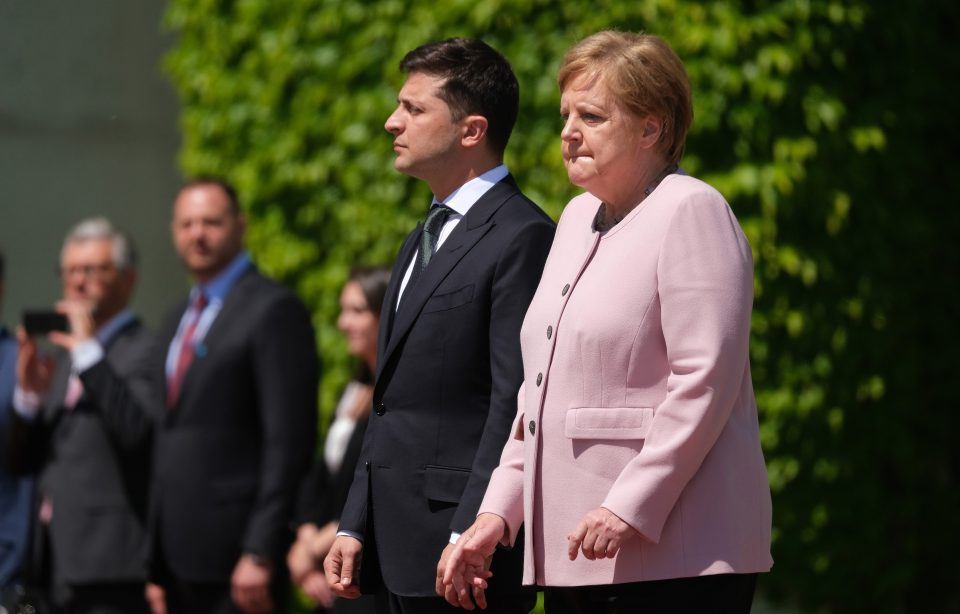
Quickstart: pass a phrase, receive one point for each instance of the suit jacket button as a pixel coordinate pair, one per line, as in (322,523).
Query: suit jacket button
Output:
(381,409)
(533,427)
(566,289)
(549,332)
(539,378)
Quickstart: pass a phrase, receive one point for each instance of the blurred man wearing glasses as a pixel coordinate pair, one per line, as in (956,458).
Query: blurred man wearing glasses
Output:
(90,544)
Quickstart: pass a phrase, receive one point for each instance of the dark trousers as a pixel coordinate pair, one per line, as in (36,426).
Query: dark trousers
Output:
(717,594)
(214,597)
(390,603)
(103,598)
(198,597)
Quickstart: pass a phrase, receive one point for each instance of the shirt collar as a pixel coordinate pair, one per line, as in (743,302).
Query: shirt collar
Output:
(106,333)
(217,288)
(464,197)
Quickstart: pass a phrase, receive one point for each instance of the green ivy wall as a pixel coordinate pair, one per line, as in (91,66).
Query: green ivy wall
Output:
(827,126)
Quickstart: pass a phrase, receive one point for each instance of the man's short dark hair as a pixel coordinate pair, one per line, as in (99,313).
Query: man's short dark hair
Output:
(478,81)
(223,184)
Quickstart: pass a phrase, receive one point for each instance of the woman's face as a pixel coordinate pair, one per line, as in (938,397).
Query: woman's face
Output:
(603,146)
(357,321)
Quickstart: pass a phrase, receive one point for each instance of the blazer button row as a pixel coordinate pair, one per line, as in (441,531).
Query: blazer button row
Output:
(549,332)
(380,409)
(539,378)
(566,289)
(533,427)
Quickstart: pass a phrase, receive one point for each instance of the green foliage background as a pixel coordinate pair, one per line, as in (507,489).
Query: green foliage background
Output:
(829,127)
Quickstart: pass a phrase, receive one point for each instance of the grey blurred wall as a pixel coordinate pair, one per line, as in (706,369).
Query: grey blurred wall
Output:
(88,126)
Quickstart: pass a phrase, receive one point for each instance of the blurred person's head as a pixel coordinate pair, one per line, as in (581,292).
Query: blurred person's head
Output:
(208,227)
(360,302)
(455,112)
(626,106)
(98,266)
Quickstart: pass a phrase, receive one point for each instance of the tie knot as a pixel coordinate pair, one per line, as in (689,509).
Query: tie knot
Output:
(200,302)
(436,218)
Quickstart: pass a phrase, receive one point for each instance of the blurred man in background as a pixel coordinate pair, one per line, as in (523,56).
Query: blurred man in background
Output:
(240,425)
(90,546)
(15,491)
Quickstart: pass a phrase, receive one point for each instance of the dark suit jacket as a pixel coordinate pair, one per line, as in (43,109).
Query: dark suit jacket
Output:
(448,373)
(231,453)
(16,492)
(95,472)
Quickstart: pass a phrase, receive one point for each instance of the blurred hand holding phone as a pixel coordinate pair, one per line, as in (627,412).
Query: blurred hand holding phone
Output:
(43,321)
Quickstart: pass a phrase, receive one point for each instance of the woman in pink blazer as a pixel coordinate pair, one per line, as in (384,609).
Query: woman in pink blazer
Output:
(634,463)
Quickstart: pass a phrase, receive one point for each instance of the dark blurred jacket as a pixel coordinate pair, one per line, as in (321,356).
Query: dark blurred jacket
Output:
(93,471)
(16,492)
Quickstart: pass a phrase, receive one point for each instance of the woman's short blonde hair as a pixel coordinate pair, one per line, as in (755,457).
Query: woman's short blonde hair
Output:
(642,73)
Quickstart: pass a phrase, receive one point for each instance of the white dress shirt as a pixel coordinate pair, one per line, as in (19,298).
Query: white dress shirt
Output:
(461,201)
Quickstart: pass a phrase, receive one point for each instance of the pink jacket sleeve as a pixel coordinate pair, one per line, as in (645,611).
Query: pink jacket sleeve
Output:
(504,496)
(705,286)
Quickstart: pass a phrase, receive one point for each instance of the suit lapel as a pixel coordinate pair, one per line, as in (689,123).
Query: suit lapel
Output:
(464,237)
(388,311)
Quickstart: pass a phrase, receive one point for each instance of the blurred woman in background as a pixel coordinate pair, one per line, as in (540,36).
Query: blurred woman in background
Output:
(326,489)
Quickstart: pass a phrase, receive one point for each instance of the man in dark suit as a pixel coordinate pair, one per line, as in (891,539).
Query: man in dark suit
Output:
(239,429)
(90,545)
(15,491)
(449,367)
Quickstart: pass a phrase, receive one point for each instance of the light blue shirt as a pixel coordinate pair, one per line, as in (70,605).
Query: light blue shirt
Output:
(216,291)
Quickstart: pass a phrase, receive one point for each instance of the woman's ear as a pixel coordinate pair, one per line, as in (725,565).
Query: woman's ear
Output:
(651,130)
(474,130)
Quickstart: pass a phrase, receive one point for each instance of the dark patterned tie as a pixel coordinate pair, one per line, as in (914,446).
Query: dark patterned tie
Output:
(436,218)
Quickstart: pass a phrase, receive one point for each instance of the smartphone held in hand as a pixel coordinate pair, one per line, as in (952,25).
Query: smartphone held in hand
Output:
(42,321)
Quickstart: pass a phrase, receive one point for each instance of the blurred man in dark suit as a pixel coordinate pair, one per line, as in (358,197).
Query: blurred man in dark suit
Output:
(15,491)
(240,421)
(90,546)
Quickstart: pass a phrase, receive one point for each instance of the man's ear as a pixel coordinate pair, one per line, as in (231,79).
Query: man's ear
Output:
(474,130)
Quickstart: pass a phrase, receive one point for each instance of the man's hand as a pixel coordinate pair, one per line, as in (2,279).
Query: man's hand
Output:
(342,566)
(156,598)
(467,565)
(600,535)
(34,372)
(80,315)
(446,590)
(250,586)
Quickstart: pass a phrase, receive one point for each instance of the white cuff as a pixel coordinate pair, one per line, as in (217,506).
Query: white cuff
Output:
(454,536)
(86,354)
(26,404)
(355,536)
